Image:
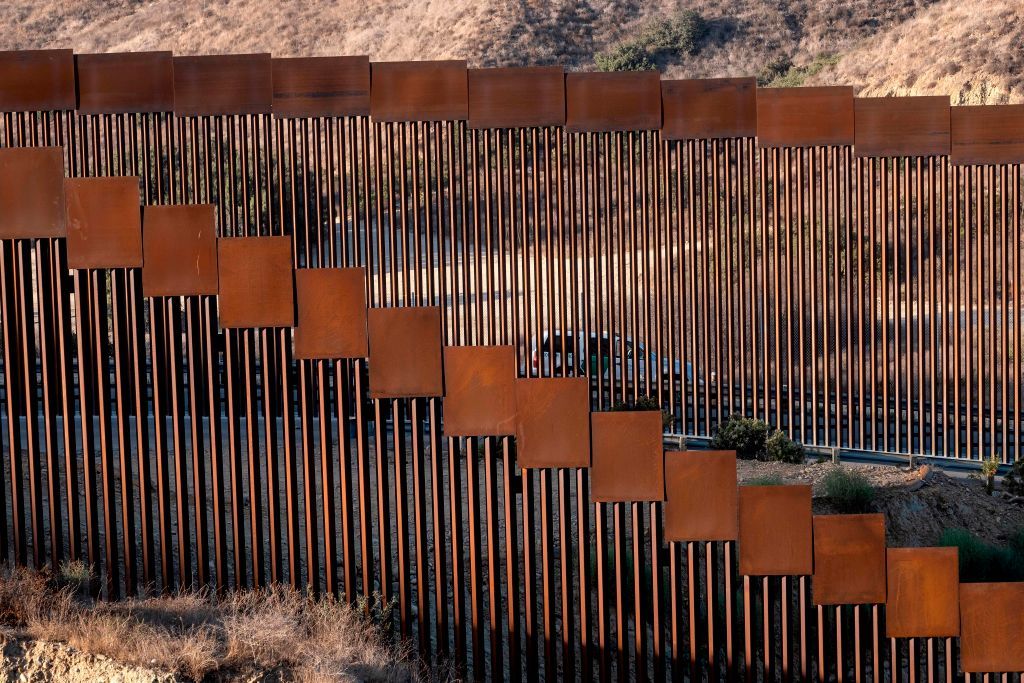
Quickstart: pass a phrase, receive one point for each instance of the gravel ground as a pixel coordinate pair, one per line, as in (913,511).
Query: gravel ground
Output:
(918,503)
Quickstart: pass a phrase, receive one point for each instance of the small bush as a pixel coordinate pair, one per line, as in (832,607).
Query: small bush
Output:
(982,562)
(765,480)
(989,470)
(1013,482)
(781,73)
(659,39)
(747,436)
(849,491)
(782,448)
(646,403)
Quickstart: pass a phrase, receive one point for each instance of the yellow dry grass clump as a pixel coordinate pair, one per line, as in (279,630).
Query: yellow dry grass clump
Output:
(195,633)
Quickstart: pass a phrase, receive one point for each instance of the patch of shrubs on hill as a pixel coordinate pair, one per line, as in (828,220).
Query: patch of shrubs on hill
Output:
(982,562)
(655,41)
(849,491)
(754,439)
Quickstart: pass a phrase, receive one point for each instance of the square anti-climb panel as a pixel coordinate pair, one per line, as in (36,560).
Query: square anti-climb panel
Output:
(179,245)
(775,530)
(627,461)
(256,283)
(405,352)
(553,422)
(104,222)
(480,391)
(700,502)
(332,313)
(32,192)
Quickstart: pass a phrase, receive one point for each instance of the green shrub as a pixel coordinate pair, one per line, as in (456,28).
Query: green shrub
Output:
(782,448)
(764,480)
(747,436)
(1013,483)
(646,403)
(989,470)
(659,39)
(781,73)
(982,562)
(624,57)
(849,491)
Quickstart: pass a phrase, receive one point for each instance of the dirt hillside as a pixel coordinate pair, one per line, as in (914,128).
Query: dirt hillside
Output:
(972,50)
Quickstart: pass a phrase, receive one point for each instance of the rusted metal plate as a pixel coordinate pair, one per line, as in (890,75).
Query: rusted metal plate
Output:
(256,282)
(849,559)
(104,222)
(901,126)
(922,593)
(479,390)
(419,91)
(517,97)
(627,461)
(179,246)
(775,530)
(321,86)
(805,117)
(32,192)
(213,85)
(125,82)
(553,422)
(700,496)
(987,134)
(990,622)
(614,101)
(405,352)
(331,312)
(37,80)
(709,108)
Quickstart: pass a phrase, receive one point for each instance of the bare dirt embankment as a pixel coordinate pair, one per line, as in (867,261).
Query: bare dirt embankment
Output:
(919,504)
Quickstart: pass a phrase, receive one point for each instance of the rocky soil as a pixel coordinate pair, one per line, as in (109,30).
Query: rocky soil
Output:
(919,503)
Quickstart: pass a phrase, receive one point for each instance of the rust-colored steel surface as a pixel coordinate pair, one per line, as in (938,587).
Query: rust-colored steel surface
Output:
(517,97)
(775,530)
(104,222)
(922,586)
(419,91)
(331,305)
(179,249)
(701,497)
(212,85)
(709,108)
(901,126)
(32,193)
(627,461)
(613,101)
(125,82)
(849,559)
(857,303)
(321,86)
(37,80)
(805,117)
(256,284)
(552,422)
(987,134)
(990,618)
(479,390)
(405,352)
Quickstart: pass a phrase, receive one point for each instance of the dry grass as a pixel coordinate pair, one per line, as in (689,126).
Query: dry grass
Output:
(969,49)
(196,633)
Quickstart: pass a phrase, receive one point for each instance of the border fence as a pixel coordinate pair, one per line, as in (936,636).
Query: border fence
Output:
(236,292)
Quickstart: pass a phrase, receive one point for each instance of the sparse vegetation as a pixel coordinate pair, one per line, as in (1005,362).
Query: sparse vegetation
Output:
(754,439)
(745,435)
(782,73)
(982,562)
(765,480)
(1013,482)
(655,41)
(197,633)
(848,490)
(782,448)
(646,403)
(989,470)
